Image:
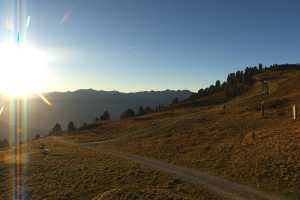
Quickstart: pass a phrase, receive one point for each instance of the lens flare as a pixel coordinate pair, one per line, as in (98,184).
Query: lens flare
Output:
(28,22)
(24,70)
(45,99)
(8,25)
(1,110)
(66,16)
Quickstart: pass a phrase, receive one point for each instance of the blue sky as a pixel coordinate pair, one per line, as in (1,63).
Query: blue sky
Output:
(135,45)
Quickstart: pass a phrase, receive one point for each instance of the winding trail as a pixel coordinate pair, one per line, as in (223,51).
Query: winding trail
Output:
(220,186)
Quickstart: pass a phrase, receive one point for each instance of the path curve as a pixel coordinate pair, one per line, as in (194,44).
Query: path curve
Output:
(220,186)
(215,184)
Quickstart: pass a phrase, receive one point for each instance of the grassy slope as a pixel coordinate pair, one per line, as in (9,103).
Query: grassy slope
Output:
(73,172)
(204,137)
(221,143)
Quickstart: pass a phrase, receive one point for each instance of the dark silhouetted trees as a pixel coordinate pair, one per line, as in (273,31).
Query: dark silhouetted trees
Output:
(83,127)
(175,101)
(240,81)
(87,126)
(148,110)
(141,111)
(218,84)
(71,126)
(56,129)
(127,114)
(260,67)
(4,143)
(158,108)
(105,116)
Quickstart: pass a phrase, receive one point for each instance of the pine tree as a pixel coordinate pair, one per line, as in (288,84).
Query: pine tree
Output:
(141,111)
(56,129)
(148,109)
(71,126)
(218,84)
(105,116)
(127,114)
(175,101)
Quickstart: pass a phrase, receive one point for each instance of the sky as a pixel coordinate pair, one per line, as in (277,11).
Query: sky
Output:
(137,45)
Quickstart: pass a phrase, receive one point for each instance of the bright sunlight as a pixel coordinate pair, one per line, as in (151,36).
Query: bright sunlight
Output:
(24,70)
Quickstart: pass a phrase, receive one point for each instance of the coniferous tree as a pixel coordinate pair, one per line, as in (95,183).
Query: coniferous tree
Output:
(71,126)
(56,129)
(4,143)
(240,81)
(84,126)
(127,114)
(141,111)
(260,67)
(175,101)
(218,84)
(148,109)
(37,136)
(105,116)
(158,108)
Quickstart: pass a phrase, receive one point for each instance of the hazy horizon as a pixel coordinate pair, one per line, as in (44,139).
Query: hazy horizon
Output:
(149,99)
(153,45)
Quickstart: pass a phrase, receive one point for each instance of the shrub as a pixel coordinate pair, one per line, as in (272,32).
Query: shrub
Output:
(71,126)
(127,114)
(105,116)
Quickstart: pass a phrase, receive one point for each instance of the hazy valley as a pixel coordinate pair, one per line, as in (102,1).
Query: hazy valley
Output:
(189,151)
(83,106)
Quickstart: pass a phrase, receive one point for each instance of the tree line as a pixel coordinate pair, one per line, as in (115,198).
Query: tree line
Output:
(4,143)
(57,129)
(145,110)
(240,81)
(235,84)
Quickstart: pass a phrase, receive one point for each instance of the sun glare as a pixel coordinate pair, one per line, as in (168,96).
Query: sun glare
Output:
(23,70)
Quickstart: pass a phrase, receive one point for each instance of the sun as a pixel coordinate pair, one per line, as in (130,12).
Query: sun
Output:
(23,70)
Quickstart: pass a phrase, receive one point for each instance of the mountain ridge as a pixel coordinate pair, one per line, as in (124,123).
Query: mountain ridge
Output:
(84,105)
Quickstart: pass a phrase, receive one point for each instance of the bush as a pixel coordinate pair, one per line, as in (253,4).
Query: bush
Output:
(175,101)
(105,116)
(141,111)
(37,136)
(56,129)
(277,103)
(86,126)
(71,126)
(4,143)
(127,114)
(148,109)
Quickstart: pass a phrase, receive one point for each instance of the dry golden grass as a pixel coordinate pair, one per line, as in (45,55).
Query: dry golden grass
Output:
(222,143)
(74,172)
(204,138)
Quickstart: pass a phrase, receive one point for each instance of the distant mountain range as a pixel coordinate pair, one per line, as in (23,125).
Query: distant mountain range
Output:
(85,105)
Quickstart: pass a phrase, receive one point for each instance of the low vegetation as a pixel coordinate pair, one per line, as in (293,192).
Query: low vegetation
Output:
(72,172)
(4,143)
(233,141)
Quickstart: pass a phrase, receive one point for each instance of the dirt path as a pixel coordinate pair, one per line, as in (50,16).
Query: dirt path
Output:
(217,185)
(223,187)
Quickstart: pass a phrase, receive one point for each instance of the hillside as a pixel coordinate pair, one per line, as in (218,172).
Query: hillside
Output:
(84,106)
(238,143)
(73,172)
